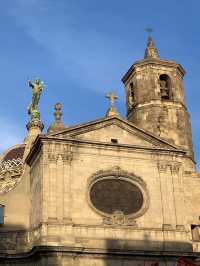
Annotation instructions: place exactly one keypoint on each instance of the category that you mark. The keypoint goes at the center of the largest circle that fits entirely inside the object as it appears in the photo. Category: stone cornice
(70, 136)
(36, 149)
(101, 253)
(85, 127)
(153, 62)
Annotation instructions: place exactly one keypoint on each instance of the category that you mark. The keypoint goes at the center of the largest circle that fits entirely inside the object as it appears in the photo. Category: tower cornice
(152, 61)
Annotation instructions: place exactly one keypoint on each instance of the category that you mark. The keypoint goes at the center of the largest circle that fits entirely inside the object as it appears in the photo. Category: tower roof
(152, 56)
(151, 51)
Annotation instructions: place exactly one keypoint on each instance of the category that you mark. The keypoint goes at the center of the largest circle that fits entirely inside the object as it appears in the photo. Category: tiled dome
(15, 152)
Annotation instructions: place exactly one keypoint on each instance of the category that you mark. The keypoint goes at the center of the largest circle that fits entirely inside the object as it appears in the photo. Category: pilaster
(167, 194)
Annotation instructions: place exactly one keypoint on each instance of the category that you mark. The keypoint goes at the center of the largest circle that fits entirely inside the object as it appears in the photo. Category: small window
(195, 232)
(131, 95)
(165, 87)
(1, 214)
(114, 140)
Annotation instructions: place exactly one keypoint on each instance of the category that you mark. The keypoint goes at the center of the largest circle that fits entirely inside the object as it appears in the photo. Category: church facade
(112, 191)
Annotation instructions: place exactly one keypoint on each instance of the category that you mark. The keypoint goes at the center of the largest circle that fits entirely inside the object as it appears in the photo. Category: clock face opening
(110, 195)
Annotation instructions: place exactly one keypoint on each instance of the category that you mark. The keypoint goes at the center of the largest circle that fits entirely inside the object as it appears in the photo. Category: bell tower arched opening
(165, 87)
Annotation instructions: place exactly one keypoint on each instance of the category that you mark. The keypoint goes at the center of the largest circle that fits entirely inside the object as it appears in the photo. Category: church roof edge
(55, 136)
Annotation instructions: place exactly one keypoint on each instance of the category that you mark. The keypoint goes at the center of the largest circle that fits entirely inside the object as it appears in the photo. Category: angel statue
(37, 88)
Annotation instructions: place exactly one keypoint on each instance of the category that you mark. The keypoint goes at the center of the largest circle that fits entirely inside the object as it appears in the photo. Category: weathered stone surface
(165, 117)
(51, 216)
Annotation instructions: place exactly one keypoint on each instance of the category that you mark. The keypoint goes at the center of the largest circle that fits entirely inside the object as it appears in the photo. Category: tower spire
(151, 51)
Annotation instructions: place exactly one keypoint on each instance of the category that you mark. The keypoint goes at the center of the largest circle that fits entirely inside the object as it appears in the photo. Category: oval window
(110, 195)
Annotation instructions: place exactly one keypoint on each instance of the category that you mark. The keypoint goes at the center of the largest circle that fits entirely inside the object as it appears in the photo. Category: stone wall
(167, 119)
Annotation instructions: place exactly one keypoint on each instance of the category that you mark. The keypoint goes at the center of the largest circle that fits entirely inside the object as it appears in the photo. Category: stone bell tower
(155, 98)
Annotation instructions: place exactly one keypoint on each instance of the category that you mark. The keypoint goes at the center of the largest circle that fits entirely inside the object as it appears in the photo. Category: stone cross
(149, 31)
(111, 111)
(111, 98)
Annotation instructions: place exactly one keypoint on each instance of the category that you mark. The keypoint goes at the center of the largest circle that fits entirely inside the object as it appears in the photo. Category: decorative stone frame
(117, 173)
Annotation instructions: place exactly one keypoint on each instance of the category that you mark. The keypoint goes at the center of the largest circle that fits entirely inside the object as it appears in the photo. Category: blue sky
(81, 49)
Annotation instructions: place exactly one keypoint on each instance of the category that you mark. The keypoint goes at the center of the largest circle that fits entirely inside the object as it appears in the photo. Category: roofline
(37, 144)
(120, 119)
(70, 128)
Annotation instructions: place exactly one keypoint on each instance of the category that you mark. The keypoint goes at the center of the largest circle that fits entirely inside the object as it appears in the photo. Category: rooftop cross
(151, 51)
(149, 31)
(111, 98)
(111, 111)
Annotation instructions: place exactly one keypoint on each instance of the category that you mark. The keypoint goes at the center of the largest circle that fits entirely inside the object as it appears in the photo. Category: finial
(57, 124)
(151, 51)
(111, 111)
(58, 113)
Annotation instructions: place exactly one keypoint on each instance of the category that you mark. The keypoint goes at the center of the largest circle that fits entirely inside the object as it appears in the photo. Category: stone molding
(163, 167)
(23, 241)
(36, 123)
(156, 141)
(117, 172)
(66, 157)
(54, 152)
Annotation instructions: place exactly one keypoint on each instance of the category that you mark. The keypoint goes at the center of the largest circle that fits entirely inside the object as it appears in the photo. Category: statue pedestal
(34, 128)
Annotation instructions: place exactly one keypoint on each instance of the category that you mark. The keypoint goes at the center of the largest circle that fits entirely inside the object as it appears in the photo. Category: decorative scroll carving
(118, 218)
(10, 174)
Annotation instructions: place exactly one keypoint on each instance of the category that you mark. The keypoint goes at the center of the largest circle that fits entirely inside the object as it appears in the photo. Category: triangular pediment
(114, 130)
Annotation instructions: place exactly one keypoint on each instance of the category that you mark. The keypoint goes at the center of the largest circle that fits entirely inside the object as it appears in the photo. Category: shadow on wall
(11, 227)
(12, 238)
(148, 244)
(110, 252)
(148, 253)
